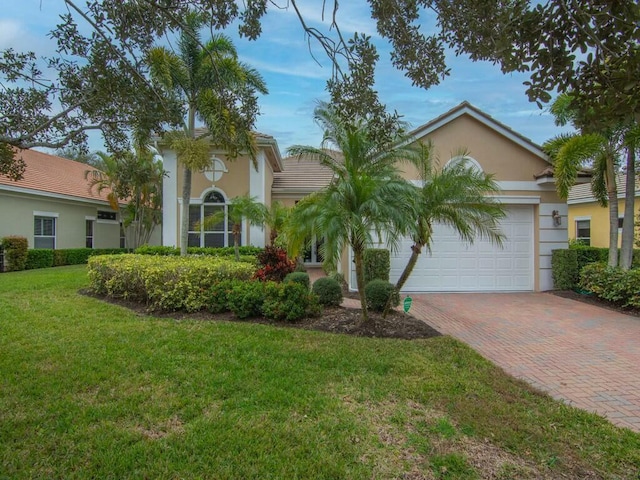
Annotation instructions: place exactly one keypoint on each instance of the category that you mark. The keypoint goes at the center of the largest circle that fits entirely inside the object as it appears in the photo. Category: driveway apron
(584, 355)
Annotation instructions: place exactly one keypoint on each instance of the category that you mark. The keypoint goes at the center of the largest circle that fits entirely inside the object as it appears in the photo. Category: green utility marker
(407, 304)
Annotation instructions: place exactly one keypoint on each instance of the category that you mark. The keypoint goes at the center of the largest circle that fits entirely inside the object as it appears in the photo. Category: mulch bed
(334, 320)
(593, 300)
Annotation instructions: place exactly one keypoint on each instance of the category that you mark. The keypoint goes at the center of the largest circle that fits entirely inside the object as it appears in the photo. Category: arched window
(470, 162)
(209, 222)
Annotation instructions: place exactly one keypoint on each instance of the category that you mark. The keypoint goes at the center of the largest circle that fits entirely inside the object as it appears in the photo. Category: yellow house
(521, 169)
(589, 221)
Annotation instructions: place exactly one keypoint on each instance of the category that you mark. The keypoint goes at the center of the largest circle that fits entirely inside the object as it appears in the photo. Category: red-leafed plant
(273, 264)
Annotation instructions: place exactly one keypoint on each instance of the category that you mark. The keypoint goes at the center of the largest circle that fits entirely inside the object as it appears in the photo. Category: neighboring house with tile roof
(520, 167)
(54, 206)
(589, 221)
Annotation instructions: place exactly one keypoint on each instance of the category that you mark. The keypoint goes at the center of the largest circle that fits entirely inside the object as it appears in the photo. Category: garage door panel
(454, 265)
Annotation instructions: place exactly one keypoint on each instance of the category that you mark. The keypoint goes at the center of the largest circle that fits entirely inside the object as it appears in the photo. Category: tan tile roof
(302, 175)
(582, 193)
(53, 175)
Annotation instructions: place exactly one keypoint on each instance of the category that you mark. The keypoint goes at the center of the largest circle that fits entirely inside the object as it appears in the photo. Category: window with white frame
(88, 233)
(209, 222)
(44, 231)
(583, 231)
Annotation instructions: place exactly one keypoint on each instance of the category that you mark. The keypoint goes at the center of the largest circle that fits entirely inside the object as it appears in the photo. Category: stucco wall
(599, 217)
(17, 213)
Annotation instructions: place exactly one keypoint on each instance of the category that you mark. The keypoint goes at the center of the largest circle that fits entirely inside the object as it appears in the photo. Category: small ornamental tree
(274, 264)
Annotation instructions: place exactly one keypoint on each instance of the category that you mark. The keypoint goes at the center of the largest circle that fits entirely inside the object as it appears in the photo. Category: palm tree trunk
(360, 281)
(626, 252)
(416, 250)
(236, 240)
(612, 194)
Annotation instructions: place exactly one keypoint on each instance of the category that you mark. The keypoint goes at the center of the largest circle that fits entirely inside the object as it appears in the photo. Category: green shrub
(211, 251)
(218, 296)
(164, 283)
(39, 258)
(564, 268)
(246, 298)
(328, 291)
(59, 258)
(299, 277)
(156, 250)
(15, 253)
(378, 293)
(612, 284)
(288, 301)
(79, 256)
(377, 264)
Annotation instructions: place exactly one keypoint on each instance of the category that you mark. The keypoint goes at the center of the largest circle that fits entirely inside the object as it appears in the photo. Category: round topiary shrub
(298, 277)
(378, 293)
(328, 290)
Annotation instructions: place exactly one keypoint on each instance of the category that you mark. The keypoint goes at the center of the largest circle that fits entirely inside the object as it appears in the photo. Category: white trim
(109, 222)
(170, 226)
(517, 185)
(90, 217)
(516, 199)
(586, 217)
(257, 185)
(58, 196)
(38, 213)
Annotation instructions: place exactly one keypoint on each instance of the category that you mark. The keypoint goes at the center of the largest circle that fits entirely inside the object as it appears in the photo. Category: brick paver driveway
(585, 355)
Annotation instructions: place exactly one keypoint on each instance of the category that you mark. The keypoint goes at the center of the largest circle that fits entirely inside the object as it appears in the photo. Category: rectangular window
(620, 222)
(44, 232)
(123, 237)
(583, 231)
(102, 215)
(89, 233)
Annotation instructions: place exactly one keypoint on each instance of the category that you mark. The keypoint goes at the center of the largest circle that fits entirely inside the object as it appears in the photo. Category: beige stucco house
(53, 206)
(520, 167)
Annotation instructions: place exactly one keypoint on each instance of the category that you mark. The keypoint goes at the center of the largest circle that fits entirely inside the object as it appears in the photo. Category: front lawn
(92, 390)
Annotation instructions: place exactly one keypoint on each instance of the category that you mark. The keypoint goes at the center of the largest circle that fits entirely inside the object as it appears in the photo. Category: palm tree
(367, 196)
(215, 88)
(135, 180)
(457, 196)
(570, 152)
(276, 219)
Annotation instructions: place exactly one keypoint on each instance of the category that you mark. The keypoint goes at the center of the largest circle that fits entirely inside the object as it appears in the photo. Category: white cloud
(10, 32)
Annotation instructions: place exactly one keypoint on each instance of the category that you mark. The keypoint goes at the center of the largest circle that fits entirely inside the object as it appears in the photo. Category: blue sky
(296, 81)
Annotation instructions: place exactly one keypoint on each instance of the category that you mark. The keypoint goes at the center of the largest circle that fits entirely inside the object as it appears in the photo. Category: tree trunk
(236, 230)
(626, 252)
(360, 281)
(416, 249)
(612, 194)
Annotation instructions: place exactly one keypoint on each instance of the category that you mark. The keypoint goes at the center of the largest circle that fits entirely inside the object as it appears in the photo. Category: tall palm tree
(215, 88)
(132, 179)
(367, 196)
(458, 195)
(570, 152)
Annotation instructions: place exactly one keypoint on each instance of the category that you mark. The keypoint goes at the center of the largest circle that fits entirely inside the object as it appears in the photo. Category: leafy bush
(378, 293)
(39, 258)
(564, 269)
(299, 277)
(15, 253)
(274, 264)
(328, 291)
(164, 283)
(218, 296)
(246, 298)
(612, 284)
(377, 264)
(286, 301)
(211, 251)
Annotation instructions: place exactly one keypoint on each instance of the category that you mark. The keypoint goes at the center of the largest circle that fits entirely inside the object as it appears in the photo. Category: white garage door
(454, 266)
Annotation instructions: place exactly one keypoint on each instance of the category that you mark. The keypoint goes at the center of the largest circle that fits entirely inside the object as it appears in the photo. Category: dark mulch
(342, 320)
(593, 300)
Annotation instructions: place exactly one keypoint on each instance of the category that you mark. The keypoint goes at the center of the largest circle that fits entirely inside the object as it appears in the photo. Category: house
(53, 206)
(520, 167)
(589, 221)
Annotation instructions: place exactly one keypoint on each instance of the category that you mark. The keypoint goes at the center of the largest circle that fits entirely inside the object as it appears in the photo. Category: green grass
(92, 390)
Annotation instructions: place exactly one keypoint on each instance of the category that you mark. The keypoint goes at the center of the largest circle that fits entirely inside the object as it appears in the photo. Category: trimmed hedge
(39, 258)
(15, 253)
(328, 291)
(377, 264)
(288, 301)
(378, 293)
(564, 269)
(612, 284)
(163, 283)
(299, 277)
(216, 252)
